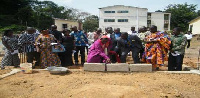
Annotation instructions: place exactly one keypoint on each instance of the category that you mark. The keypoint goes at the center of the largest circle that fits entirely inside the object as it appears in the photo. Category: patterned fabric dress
(10, 59)
(156, 52)
(47, 57)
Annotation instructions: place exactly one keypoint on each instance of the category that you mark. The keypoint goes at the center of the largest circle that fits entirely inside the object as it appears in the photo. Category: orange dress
(156, 52)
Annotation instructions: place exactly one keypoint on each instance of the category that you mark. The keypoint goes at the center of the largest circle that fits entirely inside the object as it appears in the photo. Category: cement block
(94, 67)
(141, 67)
(118, 67)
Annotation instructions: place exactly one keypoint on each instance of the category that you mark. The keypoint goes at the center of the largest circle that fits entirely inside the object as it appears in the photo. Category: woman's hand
(108, 61)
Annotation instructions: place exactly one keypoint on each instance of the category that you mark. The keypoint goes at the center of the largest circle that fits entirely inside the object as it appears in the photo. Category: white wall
(131, 16)
(157, 19)
(59, 22)
(195, 28)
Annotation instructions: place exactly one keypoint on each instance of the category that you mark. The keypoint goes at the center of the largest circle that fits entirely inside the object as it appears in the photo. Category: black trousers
(135, 54)
(82, 52)
(123, 55)
(86, 49)
(66, 58)
(141, 53)
(33, 55)
(188, 43)
(175, 62)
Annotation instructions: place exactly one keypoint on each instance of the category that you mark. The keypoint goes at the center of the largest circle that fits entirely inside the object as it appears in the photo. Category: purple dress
(96, 53)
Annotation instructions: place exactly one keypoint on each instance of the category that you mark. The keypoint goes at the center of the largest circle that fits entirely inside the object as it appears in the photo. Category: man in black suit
(123, 46)
(56, 33)
(136, 46)
(114, 36)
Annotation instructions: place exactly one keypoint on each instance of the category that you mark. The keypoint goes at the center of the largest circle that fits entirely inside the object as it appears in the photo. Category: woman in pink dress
(99, 50)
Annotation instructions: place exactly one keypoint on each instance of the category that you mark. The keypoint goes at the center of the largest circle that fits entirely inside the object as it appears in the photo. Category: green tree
(181, 14)
(91, 23)
(9, 10)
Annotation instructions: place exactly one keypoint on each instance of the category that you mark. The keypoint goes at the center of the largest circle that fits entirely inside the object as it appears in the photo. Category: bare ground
(80, 84)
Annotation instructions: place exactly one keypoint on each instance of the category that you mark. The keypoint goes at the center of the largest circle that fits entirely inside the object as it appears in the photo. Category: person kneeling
(98, 51)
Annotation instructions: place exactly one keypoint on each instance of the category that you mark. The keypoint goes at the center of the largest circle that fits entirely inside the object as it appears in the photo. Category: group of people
(111, 46)
(39, 47)
(149, 46)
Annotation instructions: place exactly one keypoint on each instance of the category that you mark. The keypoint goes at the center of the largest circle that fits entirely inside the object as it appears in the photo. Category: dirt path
(79, 84)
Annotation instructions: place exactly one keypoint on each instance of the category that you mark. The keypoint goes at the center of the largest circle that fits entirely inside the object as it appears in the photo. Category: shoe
(82, 63)
(157, 68)
(16, 66)
(76, 63)
(2, 68)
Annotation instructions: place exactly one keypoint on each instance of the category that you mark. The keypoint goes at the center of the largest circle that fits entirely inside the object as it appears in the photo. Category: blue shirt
(117, 35)
(126, 42)
(79, 38)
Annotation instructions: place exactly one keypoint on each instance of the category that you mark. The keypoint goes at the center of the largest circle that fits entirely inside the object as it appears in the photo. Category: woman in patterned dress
(47, 57)
(156, 48)
(10, 41)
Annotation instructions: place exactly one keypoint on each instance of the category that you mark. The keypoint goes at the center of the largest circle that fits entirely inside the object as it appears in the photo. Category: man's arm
(183, 44)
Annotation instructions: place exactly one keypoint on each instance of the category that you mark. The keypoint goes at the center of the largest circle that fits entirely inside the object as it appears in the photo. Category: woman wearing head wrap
(98, 51)
(47, 57)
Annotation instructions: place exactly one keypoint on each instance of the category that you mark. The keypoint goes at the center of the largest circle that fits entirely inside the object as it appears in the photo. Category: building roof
(194, 19)
(159, 12)
(122, 6)
(65, 19)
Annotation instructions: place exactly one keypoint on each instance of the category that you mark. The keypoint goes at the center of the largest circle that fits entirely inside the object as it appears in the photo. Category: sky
(92, 6)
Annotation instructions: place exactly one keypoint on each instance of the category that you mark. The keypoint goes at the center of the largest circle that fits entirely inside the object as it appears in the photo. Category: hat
(104, 36)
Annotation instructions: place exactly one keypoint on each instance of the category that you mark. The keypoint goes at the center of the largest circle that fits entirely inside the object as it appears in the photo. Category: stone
(118, 67)
(94, 67)
(141, 67)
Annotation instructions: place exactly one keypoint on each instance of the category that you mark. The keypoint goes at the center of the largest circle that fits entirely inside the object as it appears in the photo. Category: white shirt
(188, 36)
(131, 33)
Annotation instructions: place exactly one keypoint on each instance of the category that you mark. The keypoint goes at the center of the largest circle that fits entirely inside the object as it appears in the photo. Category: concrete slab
(118, 67)
(141, 67)
(14, 71)
(94, 67)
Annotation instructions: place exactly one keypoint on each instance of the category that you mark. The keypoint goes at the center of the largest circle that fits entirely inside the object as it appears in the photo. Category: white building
(159, 19)
(124, 17)
(64, 23)
(194, 25)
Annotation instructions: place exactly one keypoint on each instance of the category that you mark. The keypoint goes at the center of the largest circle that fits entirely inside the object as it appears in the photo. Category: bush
(16, 28)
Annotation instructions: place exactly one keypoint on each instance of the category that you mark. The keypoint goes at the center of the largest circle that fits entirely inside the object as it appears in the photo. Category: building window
(64, 26)
(166, 26)
(148, 23)
(122, 11)
(122, 20)
(166, 16)
(191, 26)
(109, 11)
(109, 20)
(149, 16)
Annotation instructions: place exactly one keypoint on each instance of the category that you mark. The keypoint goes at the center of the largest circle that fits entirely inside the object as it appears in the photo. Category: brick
(94, 67)
(141, 67)
(118, 67)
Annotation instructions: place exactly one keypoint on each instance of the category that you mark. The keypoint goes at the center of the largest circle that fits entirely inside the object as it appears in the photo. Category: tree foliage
(91, 23)
(39, 14)
(181, 14)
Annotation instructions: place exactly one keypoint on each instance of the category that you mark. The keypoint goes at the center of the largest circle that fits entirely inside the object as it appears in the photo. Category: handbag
(60, 48)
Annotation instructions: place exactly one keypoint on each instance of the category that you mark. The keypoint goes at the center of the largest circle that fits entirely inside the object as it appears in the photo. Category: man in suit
(136, 46)
(123, 46)
(114, 38)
